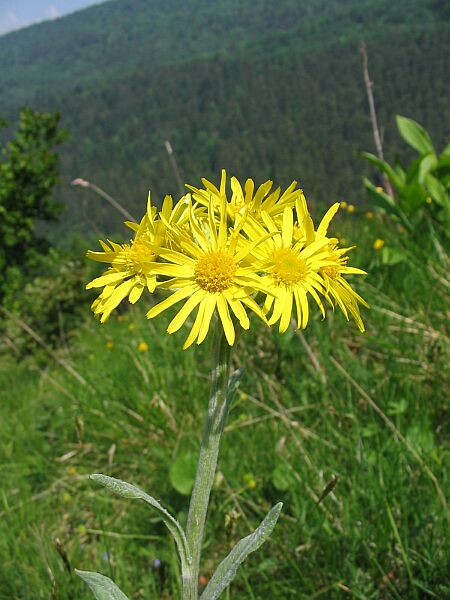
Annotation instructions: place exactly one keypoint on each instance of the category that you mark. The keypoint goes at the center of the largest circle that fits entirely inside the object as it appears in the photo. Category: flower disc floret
(209, 274)
(214, 271)
(288, 268)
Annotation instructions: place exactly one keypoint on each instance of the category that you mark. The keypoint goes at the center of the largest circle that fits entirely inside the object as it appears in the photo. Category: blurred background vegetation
(267, 90)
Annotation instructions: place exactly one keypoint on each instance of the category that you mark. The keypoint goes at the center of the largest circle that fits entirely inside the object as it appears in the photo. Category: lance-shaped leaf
(127, 490)
(227, 569)
(414, 134)
(397, 178)
(386, 202)
(103, 587)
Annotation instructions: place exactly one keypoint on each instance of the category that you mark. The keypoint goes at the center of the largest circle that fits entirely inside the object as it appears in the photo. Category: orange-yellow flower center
(136, 258)
(214, 271)
(331, 271)
(288, 268)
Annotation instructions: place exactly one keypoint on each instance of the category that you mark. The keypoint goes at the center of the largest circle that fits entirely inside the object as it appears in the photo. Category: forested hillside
(264, 89)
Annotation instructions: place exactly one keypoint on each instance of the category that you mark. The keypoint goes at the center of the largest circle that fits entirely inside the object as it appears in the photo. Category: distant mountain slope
(120, 36)
(273, 89)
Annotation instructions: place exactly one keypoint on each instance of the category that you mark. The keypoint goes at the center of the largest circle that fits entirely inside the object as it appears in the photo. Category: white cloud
(10, 21)
(53, 12)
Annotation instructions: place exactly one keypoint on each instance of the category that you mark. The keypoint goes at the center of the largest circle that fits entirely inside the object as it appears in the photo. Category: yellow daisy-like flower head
(246, 199)
(291, 267)
(209, 273)
(336, 286)
(132, 264)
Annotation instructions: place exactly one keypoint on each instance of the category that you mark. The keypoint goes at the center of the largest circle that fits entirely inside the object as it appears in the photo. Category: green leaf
(182, 473)
(413, 196)
(386, 203)
(396, 178)
(127, 490)
(282, 477)
(427, 164)
(446, 151)
(437, 190)
(414, 134)
(392, 256)
(103, 587)
(227, 569)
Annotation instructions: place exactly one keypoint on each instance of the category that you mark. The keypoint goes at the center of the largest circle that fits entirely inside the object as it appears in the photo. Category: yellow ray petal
(185, 311)
(286, 312)
(196, 326)
(225, 318)
(170, 301)
(136, 293)
(209, 306)
(323, 227)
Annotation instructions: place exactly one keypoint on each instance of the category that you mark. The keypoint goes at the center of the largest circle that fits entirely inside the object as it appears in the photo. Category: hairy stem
(215, 421)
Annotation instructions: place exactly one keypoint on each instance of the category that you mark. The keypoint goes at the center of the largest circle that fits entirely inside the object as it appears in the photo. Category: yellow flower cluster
(223, 254)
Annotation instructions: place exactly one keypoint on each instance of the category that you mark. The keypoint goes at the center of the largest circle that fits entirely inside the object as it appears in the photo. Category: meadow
(363, 417)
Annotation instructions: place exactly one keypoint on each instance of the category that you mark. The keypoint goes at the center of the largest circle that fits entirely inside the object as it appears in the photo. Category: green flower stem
(215, 421)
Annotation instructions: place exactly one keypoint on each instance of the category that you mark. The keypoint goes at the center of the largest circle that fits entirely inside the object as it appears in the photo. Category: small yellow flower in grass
(429, 200)
(109, 344)
(351, 208)
(343, 204)
(142, 347)
(379, 189)
(209, 274)
(369, 214)
(131, 326)
(378, 244)
(71, 471)
(250, 481)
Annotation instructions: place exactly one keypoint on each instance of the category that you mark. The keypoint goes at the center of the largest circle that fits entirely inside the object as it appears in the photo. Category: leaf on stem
(233, 384)
(227, 569)
(127, 490)
(414, 134)
(103, 587)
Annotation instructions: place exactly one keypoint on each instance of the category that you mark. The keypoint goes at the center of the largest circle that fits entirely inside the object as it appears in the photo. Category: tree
(28, 174)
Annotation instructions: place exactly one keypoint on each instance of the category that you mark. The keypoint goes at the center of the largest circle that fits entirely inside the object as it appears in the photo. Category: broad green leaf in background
(446, 151)
(392, 256)
(227, 569)
(386, 202)
(427, 164)
(437, 190)
(282, 477)
(413, 196)
(397, 178)
(127, 490)
(103, 587)
(414, 134)
(182, 473)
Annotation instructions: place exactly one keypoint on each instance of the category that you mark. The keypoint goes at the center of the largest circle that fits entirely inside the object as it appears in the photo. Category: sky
(15, 14)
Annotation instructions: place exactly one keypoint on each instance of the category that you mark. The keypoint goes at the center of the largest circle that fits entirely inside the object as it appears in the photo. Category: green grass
(375, 415)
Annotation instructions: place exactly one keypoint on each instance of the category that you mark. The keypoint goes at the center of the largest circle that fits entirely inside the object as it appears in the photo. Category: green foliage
(102, 587)
(422, 189)
(28, 174)
(182, 473)
(51, 302)
(281, 95)
(228, 568)
(293, 433)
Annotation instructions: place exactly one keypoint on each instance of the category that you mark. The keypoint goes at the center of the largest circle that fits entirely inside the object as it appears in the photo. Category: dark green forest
(263, 89)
